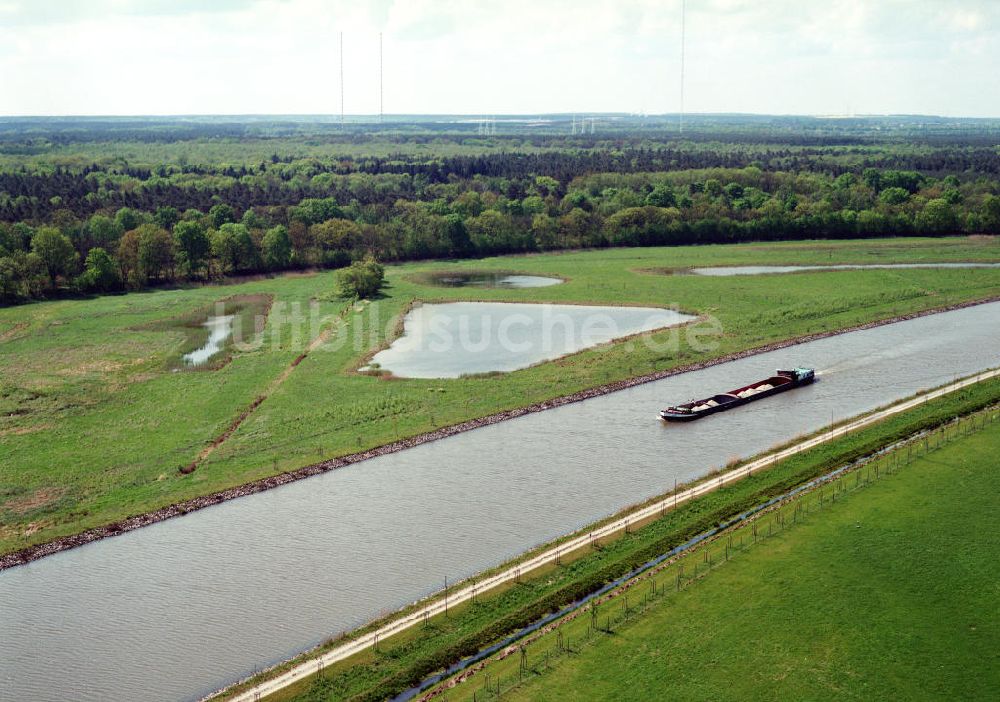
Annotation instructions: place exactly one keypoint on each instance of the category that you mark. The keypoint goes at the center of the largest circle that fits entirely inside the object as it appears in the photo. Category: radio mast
(341, 79)
(380, 90)
(683, 37)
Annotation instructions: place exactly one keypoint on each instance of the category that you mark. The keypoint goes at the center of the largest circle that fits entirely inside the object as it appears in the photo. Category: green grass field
(888, 593)
(95, 420)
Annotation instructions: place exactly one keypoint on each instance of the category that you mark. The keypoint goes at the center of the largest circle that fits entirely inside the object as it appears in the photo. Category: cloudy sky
(499, 56)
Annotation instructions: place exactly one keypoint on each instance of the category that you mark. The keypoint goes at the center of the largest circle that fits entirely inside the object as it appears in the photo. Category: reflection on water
(456, 338)
(219, 329)
(493, 280)
(762, 270)
(172, 611)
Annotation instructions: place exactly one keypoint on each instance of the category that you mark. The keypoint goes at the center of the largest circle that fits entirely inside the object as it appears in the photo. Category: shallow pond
(175, 610)
(457, 338)
(493, 280)
(219, 329)
(763, 270)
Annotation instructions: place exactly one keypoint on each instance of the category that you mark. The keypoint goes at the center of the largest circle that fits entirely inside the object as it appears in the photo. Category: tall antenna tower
(683, 37)
(341, 79)
(380, 90)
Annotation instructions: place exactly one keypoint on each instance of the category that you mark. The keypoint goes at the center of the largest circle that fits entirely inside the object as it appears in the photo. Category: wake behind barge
(780, 382)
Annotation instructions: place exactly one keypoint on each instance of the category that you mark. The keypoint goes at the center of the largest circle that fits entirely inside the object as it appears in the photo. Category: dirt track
(320, 339)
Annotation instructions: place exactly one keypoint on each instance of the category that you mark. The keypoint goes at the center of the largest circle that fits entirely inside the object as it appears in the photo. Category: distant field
(95, 423)
(890, 593)
(250, 151)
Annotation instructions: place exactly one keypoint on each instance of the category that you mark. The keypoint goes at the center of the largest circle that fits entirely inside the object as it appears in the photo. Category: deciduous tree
(127, 219)
(56, 253)
(937, 217)
(156, 251)
(234, 247)
(100, 272)
(128, 259)
(991, 214)
(193, 246)
(276, 248)
(221, 214)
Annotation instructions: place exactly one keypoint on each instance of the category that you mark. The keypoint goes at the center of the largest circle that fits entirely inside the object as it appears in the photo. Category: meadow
(97, 420)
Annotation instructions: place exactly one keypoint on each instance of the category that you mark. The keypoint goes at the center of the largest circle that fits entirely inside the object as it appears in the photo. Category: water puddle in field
(764, 270)
(458, 338)
(219, 328)
(492, 280)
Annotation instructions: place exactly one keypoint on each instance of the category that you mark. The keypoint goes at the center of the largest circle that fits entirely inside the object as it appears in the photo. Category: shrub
(361, 278)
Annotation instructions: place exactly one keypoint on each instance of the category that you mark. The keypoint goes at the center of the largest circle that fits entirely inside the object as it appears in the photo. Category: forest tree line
(401, 216)
(36, 192)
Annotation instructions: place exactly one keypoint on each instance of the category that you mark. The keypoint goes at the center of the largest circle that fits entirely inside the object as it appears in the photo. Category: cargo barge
(780, 382)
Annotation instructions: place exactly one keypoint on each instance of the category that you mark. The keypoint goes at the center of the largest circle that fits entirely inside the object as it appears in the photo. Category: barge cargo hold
(781, 381)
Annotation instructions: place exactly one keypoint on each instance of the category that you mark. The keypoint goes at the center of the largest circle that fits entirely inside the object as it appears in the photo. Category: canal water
(175, 610)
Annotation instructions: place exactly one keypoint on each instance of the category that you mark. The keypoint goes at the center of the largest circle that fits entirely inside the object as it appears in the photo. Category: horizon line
(479, 115)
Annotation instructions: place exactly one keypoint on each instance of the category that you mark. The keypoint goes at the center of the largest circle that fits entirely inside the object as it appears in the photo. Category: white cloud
(446, 56)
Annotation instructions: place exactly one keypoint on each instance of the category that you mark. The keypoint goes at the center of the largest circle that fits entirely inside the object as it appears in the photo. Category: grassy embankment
(407, 658)
(881, 585)
(94, 425)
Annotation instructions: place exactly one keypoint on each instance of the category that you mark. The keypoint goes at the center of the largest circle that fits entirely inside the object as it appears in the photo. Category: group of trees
(132, 249)
(128, 248)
